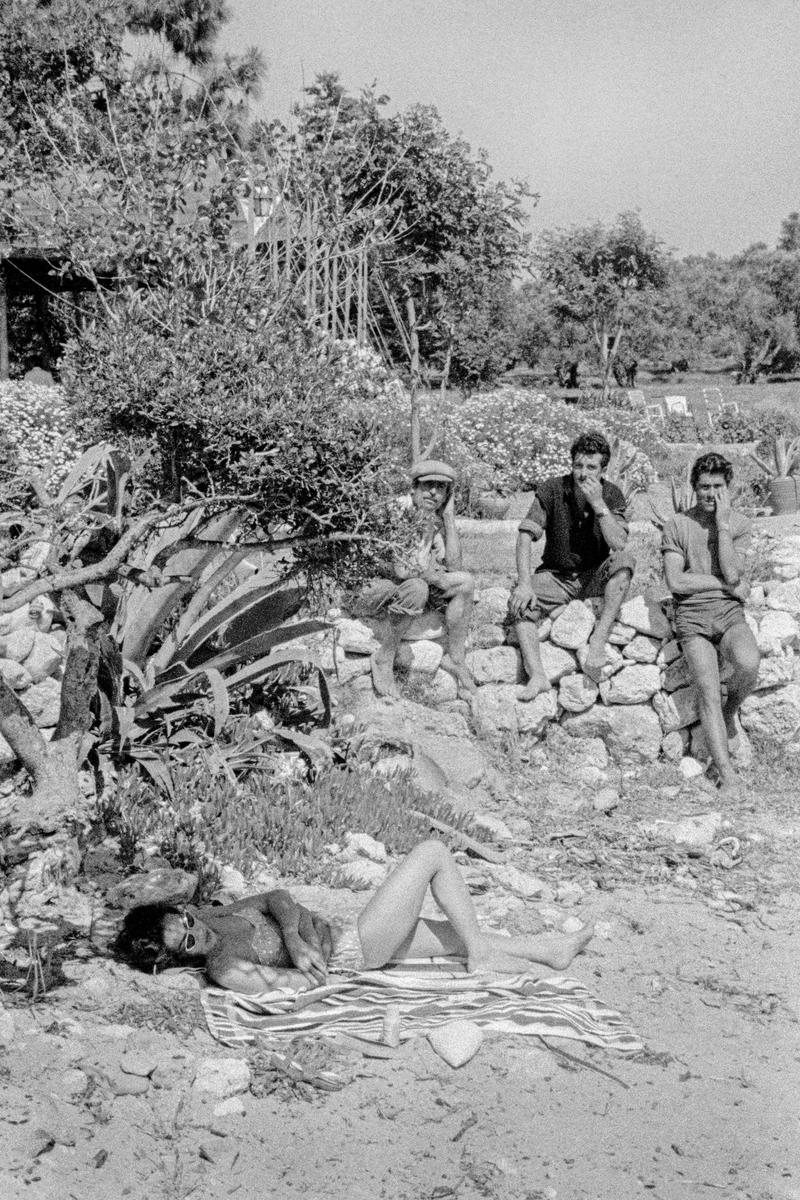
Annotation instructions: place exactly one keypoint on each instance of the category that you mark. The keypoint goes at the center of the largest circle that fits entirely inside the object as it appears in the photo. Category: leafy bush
(215, 821)
(241, 396)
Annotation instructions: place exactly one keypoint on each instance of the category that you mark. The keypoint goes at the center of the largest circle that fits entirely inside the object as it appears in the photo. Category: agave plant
(179, 684)
(621, 464)
(784, 454)
(681, 498)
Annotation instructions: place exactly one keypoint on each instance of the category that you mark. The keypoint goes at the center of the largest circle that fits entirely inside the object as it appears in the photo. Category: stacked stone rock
(31, 660)
(644, 707)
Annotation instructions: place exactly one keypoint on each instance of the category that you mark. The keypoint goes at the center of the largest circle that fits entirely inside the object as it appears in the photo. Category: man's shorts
(709, 619)
(555, 589)
(381, 598)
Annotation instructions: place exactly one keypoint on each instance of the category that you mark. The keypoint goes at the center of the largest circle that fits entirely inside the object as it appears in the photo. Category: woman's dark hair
(711, 464)
(141, 940)
(591, 443)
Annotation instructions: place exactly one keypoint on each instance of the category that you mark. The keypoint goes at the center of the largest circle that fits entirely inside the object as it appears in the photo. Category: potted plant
(488, 496)
(782, 456)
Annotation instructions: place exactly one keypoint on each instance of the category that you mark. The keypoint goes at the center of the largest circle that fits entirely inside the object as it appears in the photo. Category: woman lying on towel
(269, 941)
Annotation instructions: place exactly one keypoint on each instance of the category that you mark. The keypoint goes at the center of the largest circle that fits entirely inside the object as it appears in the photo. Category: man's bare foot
(536, 686)
(596, 658)
(459, 671)
(383, 679)
(729, 788)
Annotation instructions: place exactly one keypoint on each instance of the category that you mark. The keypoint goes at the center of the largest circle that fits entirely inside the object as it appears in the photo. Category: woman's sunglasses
(189, 940)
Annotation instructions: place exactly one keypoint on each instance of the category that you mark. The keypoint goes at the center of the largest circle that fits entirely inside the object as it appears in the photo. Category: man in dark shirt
(582, 519)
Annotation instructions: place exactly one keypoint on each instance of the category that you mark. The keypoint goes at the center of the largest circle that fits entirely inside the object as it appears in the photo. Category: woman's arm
(239, 975)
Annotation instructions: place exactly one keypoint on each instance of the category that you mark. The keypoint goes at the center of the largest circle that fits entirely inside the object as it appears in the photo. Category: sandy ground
(704, 964)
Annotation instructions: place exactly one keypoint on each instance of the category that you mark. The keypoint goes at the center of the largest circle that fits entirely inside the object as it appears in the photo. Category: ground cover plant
(210, 821)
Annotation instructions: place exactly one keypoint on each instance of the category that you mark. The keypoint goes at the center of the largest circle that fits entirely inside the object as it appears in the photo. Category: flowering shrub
(519, 438)
(40, 426)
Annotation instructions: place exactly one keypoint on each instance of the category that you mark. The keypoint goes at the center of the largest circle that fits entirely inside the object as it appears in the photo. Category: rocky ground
(113, 1087)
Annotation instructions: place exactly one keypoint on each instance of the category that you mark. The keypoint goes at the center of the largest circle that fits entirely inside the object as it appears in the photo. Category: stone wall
(31, 660)
(645, 705)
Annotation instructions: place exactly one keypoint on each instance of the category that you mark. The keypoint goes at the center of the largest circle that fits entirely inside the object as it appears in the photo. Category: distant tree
(594, 273)
(790, 233)
(455, 237)
(747, 307)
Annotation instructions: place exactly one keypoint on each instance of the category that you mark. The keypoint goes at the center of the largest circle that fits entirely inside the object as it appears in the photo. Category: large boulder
(772, 716)
(422, 657)
(614, 661)
(556, 661)
(533, 716)
(43, 701)
(645, 616)
(44, 658)
(576, 693)
(491, 605)
(641, 649)
(443, 738)
(777, 670)
(785, 597)
(785, 558)
(676, 675)
(573, 626)
(503, 664)
(776, 631)
(677, 710)
(355, 637)
(495, 707)
(631, 732)
(427, 627)
(635, 684)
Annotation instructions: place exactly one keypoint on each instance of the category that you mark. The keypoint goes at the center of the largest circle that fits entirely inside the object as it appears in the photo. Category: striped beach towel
(428, 995)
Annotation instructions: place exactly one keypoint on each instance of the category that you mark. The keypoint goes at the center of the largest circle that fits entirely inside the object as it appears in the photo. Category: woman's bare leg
(390, 925)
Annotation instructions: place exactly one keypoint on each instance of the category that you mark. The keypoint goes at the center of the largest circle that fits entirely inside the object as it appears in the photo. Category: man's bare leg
(390, 927)
(701, 659)
(382, 661)
(528, 638)
(738, 648)
(613, 595)
(461, 589)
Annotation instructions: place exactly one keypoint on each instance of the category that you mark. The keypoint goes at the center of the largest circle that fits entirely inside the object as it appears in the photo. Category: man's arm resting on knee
(523, 593)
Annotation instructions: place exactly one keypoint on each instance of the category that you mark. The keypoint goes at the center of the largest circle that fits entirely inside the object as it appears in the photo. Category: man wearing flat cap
(426, 574)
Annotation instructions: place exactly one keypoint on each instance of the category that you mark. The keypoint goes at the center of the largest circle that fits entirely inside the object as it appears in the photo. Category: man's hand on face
(593, 491)
(449, 506)
(722, 509)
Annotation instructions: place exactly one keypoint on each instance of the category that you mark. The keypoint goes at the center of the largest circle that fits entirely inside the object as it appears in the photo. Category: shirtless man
(703, 551)
(430, 575)
(581, 516)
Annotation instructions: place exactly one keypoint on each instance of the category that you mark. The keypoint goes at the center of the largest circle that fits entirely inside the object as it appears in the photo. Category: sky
(687, 110)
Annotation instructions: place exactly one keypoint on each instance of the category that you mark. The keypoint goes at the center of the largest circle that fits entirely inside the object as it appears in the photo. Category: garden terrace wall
(644, 707)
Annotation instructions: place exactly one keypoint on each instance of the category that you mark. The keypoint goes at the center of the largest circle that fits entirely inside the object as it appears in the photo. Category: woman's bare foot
(382, 668)
(537, 685)
(555, 950)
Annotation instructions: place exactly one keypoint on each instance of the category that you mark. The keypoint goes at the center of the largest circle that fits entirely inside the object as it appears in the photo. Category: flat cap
(432, 468)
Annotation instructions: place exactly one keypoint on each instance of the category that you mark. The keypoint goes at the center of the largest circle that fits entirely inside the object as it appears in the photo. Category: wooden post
(3, 322)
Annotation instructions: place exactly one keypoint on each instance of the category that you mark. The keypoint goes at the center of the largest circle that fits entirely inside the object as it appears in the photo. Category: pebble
(456, 1042)
(126, 1085)
(222, 1077)
(569, 893)
(606, 800)
(232, 1107)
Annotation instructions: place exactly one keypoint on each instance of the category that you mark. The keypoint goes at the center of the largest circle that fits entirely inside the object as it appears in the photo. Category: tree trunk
(413, 337)
(56, 799)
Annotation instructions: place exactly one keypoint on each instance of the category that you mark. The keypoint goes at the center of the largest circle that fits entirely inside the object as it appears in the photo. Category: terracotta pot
(783, 494)
(494, 508)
